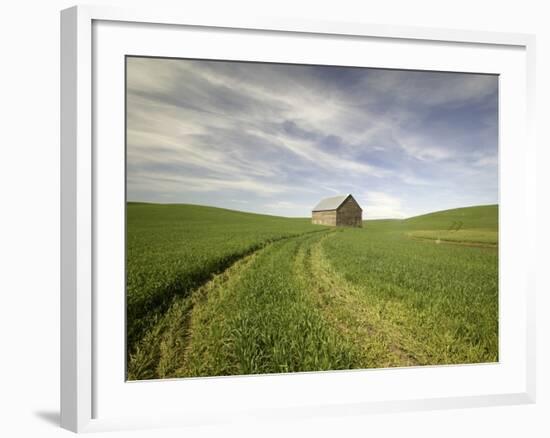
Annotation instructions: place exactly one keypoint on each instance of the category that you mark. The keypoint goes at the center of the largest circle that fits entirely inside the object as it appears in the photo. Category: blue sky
(276, 138)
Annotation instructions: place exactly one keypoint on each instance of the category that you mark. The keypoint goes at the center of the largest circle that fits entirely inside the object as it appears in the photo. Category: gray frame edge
(75, 265)
(530, 44)
(68, 220)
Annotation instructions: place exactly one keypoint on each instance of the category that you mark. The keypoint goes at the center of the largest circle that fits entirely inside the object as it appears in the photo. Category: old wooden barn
(338, 211)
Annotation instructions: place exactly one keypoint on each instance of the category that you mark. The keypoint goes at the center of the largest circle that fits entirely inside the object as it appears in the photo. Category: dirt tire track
(346, 307)
(373, 340)
(163, 350)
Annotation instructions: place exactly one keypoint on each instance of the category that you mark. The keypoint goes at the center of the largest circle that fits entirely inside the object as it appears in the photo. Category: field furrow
(162, 352)
(348, 308)
(262, 321)
(438, 303)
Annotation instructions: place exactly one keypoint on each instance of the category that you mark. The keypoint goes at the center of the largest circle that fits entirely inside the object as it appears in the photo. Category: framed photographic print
(285, 219)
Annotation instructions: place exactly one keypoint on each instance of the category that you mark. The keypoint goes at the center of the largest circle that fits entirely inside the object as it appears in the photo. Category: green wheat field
(215, 292)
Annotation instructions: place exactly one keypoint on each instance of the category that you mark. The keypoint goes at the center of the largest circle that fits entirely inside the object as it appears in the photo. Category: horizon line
(306, 217)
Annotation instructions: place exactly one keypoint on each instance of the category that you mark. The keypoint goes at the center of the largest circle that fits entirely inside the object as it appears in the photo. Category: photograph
(285, 218)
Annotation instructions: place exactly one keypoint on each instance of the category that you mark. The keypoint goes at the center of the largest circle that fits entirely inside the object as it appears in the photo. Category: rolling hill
(221, 292)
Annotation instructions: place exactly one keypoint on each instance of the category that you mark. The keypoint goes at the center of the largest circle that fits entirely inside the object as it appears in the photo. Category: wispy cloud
(275, 138)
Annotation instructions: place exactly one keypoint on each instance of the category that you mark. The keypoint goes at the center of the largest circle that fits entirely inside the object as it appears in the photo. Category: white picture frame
(85, 377)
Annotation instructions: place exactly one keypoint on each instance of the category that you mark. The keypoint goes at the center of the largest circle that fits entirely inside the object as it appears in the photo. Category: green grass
(466, 236)
(263, 322)
(444, 296)
(479, 217)
(471, 225)
(219, 292)
(173, 249)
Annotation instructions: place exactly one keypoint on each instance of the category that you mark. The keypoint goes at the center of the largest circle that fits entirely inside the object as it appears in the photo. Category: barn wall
(324, 217)
(349, 214)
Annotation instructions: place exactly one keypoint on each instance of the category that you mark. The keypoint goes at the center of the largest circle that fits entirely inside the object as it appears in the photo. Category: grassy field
(173, 249)
(219, 292)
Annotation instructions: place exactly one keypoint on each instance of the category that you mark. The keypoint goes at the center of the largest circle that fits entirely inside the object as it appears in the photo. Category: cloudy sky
(276, 138)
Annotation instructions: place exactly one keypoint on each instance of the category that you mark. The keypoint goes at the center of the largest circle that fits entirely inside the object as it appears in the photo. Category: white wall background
(29, 215)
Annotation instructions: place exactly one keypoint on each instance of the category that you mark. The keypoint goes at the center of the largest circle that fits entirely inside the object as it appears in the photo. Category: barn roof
(331, 203)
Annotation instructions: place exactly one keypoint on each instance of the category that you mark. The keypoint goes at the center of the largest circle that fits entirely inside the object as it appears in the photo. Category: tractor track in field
(171, 335)
(346, 308)
(168, 348)
(172, 292)
(453, 242)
